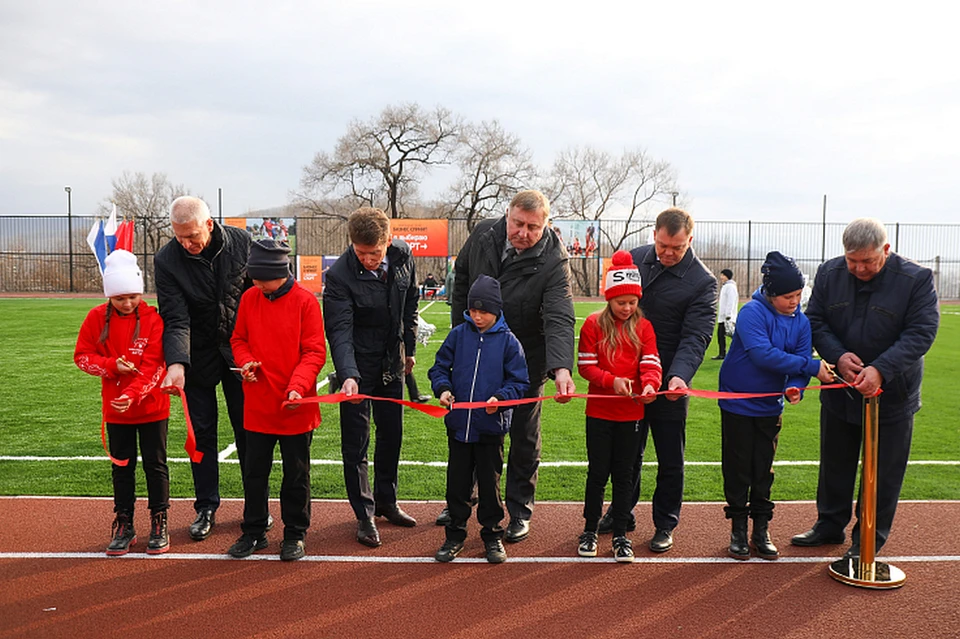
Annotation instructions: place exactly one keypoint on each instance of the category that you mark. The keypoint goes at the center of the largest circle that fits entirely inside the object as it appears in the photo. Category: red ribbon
(190, 445)
(440, 411)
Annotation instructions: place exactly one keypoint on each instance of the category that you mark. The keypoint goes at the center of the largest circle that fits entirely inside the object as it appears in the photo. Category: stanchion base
(879, 575)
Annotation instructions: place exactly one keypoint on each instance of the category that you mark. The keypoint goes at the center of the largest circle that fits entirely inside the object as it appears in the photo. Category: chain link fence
(49, 254)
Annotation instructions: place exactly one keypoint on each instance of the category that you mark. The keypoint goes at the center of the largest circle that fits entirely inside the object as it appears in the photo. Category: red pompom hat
(622, 278)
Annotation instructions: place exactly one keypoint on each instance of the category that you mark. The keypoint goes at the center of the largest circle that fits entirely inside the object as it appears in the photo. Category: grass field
(49, 408)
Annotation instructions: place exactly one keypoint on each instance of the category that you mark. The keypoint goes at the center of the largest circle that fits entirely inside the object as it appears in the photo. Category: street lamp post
(674, 194)
(70, 231)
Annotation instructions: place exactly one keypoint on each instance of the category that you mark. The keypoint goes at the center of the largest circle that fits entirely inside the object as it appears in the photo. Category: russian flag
(110, 230)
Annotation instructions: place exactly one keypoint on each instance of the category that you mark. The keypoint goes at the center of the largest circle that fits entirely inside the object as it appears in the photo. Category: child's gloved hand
(492, 405)
(446, 399)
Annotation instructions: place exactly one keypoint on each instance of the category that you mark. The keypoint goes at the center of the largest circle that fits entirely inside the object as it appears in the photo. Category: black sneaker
(246, 544)
(622, 550)
(159, 541)
(448, 551)
(496, 553)
(443, 519)
(292, 549)
(588, 544)
(123, 535)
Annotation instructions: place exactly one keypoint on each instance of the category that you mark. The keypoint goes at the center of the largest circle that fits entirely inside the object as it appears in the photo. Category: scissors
(130, 364)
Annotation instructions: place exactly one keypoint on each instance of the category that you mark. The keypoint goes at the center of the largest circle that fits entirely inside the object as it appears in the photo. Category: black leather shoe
(448, 551)
(443, 519)
(606, 524)
(367, 533)
(202, 526)
(814, 537)
(718, 357)
(496, 554)
(395, 516)
(292, 549)
(517, 530)
(762, 542)
(662, 540)
(738, 539)
(852, 551)
(423, 399)
(246, 544)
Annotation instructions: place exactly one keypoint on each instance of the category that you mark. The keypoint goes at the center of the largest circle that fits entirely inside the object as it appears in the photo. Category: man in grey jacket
(531, 265)
(679, 299)
(875, 314)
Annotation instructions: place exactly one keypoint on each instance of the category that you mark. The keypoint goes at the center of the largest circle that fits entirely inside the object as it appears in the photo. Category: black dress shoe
(395, 516)
(814, 537)
(246, 544)
(423, 399)
(517, 530)
(292, 549)
(202, 526)
(662, 540)
(367, 533)
(606, 524)
(852, 551)
(443, 519)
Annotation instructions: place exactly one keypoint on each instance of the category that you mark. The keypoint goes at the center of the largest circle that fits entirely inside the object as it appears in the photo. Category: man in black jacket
(679, 299)
(200, 275)
(531, 265)
(875, 314)
(370, 298)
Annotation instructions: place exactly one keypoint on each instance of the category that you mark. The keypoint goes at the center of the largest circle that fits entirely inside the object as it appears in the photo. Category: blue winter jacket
(770, 353)
(476, 366)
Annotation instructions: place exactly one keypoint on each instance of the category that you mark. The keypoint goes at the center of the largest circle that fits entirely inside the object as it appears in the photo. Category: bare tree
(379, 162)
(147, 201)
(493, 168)
(589, 184)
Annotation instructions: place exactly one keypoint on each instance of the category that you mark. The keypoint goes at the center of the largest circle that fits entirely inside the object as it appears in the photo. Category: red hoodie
(145, 353)
(286, 336)
(598, 369)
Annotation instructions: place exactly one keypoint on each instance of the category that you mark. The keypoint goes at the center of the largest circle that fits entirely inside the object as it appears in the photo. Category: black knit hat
(780, 275)
(268, 260)
(484, 295)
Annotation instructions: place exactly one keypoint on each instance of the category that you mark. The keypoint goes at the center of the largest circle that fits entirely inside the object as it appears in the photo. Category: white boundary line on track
(441, 464)
(469, 560)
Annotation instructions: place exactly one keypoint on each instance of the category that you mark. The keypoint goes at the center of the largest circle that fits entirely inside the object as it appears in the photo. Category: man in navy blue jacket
(680, 300)
(875, 314)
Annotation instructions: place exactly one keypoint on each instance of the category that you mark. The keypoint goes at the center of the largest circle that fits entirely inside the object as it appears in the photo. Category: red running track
(55, 580)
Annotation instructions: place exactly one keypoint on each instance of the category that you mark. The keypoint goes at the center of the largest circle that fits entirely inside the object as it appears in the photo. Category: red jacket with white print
(598, 368)
(145, 353)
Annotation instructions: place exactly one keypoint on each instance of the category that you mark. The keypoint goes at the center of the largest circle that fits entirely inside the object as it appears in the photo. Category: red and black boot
(159, 541)
(123, 535)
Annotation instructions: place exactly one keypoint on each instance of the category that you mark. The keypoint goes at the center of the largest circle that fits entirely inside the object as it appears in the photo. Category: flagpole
(70, 231)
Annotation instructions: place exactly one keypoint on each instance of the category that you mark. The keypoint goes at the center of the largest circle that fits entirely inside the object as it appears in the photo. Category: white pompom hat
(121, 275)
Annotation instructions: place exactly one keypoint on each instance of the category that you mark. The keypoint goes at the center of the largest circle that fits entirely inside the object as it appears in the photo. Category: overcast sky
(761, 109)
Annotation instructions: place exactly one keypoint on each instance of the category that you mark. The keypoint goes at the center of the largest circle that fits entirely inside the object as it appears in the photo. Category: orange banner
(238, 222)
(310, 272)
(427, 238)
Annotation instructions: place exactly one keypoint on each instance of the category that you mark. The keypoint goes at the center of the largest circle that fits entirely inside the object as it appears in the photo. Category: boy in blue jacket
(480, 360)
(771, 353)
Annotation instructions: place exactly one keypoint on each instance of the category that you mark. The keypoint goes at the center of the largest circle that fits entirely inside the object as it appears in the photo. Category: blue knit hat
(484, 295)
(780, 275)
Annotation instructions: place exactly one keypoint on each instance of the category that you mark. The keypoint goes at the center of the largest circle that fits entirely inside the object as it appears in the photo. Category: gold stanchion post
(864, 571)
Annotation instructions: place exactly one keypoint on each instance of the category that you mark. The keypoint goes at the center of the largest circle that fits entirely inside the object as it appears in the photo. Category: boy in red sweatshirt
(121, 342)
(278, 344)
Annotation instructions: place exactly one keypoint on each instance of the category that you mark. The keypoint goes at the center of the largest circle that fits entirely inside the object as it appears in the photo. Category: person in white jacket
(726, 310)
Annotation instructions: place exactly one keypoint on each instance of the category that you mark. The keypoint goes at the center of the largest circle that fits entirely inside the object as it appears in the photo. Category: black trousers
(355, 439)
(153, 452)
(523, 460)
(294, 489)
(722, 339)
(748, 446)
(611, 452)
(840, 443)
(482, 460)
(204, 413)
(669, 440)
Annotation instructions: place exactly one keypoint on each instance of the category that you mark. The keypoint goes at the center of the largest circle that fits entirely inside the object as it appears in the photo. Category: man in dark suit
(875, 314)
(679, 299)
(370, 301)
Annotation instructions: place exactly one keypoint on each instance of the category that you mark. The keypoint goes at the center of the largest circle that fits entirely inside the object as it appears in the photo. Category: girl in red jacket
(278, 343)
(617, 350)
(121, 342)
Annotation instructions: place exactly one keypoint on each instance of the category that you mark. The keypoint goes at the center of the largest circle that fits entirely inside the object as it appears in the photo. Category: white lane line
(469, 560)
(442, 464)
(226, 452)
